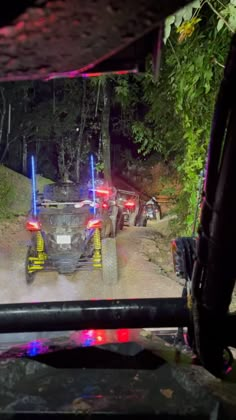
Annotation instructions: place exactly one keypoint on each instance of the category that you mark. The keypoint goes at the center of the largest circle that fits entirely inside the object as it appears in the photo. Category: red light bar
(94, 224)
(98, 74)
(129, 204)
(102, 191)
(33, 225)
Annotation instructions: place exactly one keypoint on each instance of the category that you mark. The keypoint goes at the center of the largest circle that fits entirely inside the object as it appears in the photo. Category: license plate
(63, 239)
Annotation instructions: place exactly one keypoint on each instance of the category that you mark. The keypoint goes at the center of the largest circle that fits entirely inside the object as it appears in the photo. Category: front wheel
(29, 276)
(109, 261)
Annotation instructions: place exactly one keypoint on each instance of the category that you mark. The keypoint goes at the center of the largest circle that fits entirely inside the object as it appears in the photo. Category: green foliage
(227, 16)
(6, 197)
(181, 17)
(128, 97)
(176, 111)
(147, 109)
(99, 167)
(166, 186)
(195, 80)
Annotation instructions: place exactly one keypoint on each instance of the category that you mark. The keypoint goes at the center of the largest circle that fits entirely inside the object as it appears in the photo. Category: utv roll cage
(211, 327)
(214, 273)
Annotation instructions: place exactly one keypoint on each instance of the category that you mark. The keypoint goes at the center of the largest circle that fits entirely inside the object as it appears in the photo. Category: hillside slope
(15, 192)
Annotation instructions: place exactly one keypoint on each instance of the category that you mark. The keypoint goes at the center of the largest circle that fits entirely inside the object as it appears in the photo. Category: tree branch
(219, 16)
(219, 64)
(7, 147)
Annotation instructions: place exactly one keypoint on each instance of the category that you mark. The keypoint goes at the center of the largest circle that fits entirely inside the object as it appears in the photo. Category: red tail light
(105, 206)
(130, 204)
(33, 225)
(94, 224)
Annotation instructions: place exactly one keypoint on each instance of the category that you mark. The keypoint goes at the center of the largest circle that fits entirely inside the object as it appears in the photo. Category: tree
(80, 137)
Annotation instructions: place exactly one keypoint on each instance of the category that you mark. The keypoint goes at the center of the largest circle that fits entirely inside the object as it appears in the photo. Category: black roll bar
(101, 314)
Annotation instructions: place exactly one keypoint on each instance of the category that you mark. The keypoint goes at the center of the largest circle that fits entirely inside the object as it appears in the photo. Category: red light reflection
(90, 338)
(123, 335)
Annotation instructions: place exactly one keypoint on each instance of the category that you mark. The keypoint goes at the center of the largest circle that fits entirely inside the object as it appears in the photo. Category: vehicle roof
(42, 39)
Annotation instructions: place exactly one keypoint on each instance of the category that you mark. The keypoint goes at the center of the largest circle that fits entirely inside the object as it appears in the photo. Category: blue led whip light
(93, 183)
(33, 186)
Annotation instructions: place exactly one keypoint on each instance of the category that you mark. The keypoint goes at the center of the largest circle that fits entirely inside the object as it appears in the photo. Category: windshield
(80, 160)
(65, 192)
(94, 128)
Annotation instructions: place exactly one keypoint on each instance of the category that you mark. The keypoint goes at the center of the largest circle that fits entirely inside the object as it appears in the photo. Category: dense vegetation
(179, 106)
(62, 121)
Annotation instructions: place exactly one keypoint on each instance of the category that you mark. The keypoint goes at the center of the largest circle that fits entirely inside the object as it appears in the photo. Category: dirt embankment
(15, 192)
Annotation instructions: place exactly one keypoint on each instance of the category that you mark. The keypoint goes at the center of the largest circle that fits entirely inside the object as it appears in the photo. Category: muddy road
(145, 270)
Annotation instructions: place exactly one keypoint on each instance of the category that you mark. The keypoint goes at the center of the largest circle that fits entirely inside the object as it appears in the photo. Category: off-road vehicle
(70, 232)
(108, 197)
(132, 208)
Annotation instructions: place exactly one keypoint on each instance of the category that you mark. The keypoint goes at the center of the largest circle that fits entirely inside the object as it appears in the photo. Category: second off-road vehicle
(132, 208)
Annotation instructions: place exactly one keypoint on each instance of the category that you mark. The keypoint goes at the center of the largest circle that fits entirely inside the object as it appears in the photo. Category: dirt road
(139, 275)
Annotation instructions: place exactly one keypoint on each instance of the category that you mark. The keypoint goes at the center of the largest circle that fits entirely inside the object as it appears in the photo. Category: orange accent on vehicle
(94, 224)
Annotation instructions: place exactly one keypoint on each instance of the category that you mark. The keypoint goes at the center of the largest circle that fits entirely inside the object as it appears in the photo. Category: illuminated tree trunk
(24, 156)
(106, 143)
(80, 138)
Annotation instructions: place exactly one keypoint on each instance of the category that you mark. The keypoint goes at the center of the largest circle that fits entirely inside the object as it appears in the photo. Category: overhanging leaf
(196, 4)
(168, 23)
(220, 25)
(178, 18)
(187, 12)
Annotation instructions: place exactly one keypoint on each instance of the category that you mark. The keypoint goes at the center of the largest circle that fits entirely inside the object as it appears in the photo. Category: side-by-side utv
(70, 232)
(132, 208)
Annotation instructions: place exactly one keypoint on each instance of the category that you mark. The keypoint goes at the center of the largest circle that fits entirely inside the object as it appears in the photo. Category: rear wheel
(119, 222)
(29, 276)
(144, 222)
(122, 222)
(132, 219)
(109, 261)
(183, 252)
(141, 222)
(108, 229)
(184, 255)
